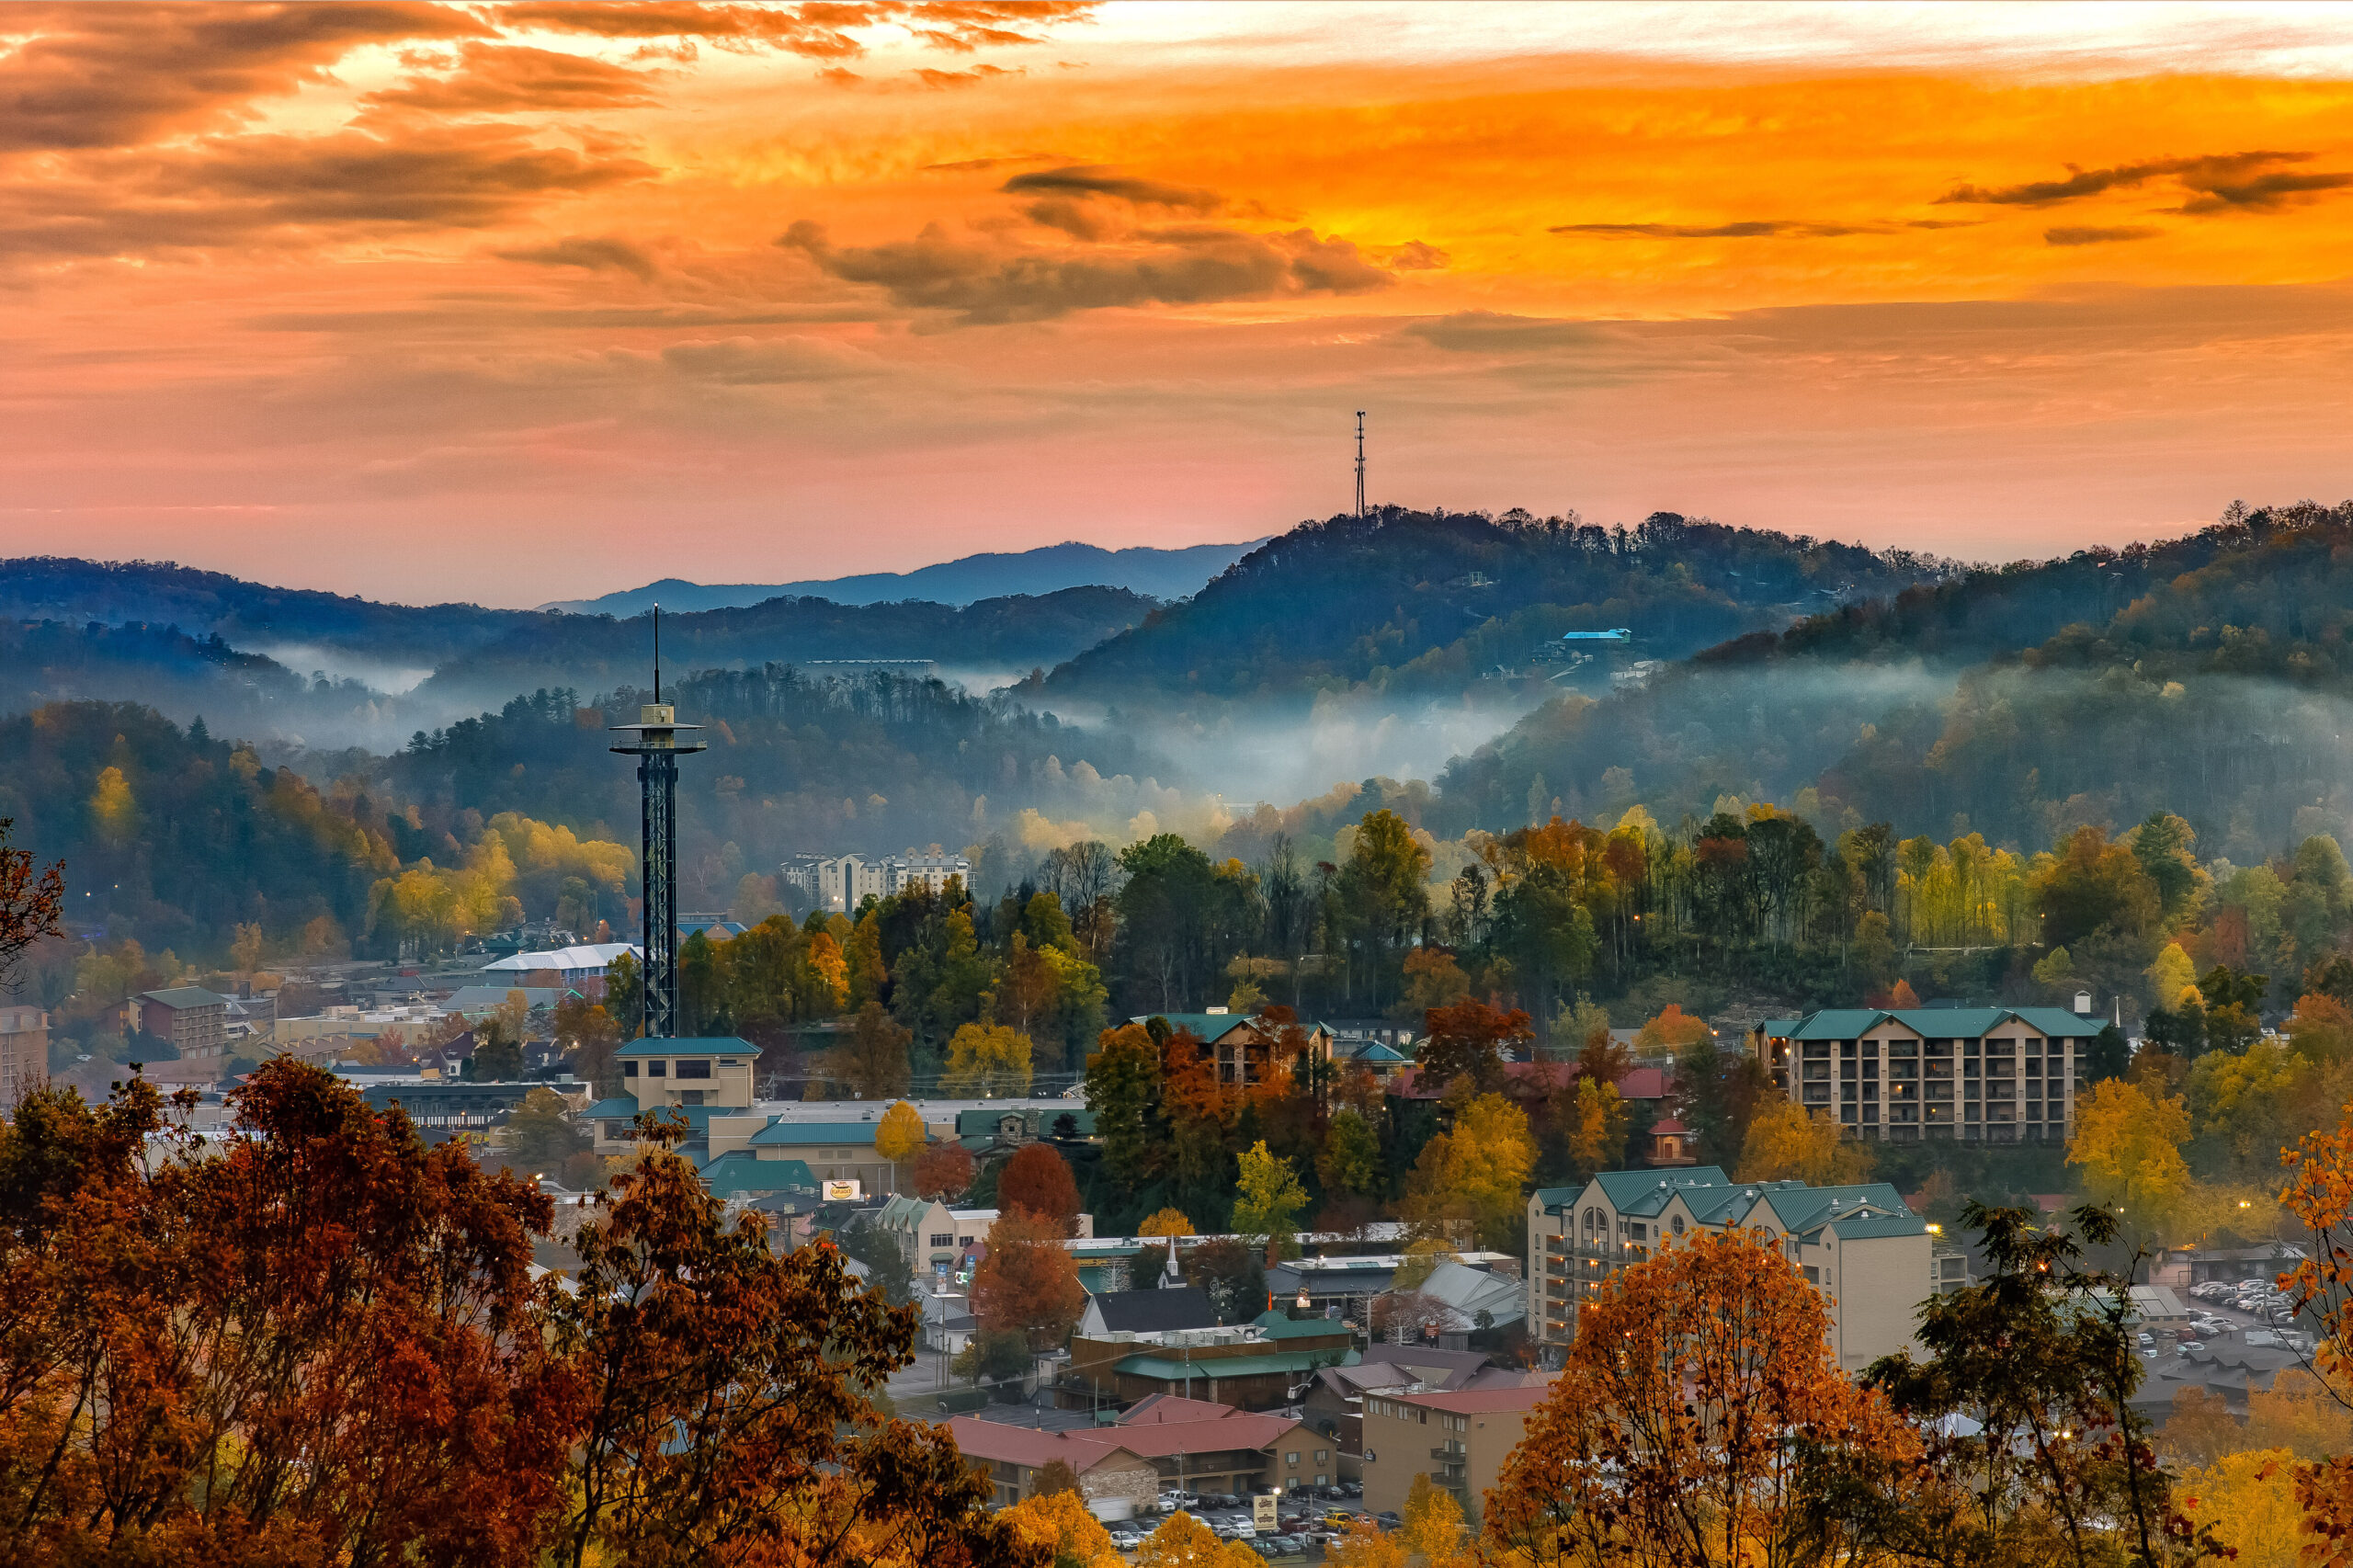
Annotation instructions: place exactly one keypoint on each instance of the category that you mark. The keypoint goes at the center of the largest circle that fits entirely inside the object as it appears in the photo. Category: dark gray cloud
(118, 76)
(1775, 229)
(262, 190)
(984, 285)
(2221, 182)
(607, 253)
(1086, 180)
(2066, 235)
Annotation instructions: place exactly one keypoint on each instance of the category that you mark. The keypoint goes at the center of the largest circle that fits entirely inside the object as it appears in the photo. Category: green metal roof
(1802, 1208)
(1169, 1368)
(1864, 1227)
(1933, 1023)
(1277, 1325)
(799, 1134)
(1646, 1192)
(1209, 1027)
(739, 1171)
(716, 1046)
(1553, 1199)
(606, 1110)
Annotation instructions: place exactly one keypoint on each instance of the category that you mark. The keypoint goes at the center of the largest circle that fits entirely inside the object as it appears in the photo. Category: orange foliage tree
(1038, 1180)
(1028, 1282)
(944, 1169)
(1690, 1423)
(319, 1343)
(2320, 1195)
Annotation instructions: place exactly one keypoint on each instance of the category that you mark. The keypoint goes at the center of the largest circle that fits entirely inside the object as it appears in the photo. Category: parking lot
(2250, 1313)
(1308, 1518)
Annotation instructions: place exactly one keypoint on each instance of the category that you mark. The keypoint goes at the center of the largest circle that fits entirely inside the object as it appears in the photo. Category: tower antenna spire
(657, 653)
(1359, 463)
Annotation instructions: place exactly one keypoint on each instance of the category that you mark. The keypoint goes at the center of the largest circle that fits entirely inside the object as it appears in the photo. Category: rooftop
(1476, 1402)
(718, 1045)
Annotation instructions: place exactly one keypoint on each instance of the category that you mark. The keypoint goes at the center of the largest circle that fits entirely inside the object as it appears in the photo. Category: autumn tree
(1037, 1180)
(1432, 1528)
(1468, 1040)
(1786, 1142)
(1233, 1273)
(1596, 1126)
(986, 1062)
(1053, 1521)
(2319, 1196)
(1468, 1186)
(1267, 1201)
(589, 1035)
(901, 1133)
(1364, 1544)
(874, 1064)
(2128, 1143)
(539, 1133)
(1349, 1162)
(1027, 1283)
(1170, 1222)
(1693, 1422)
(723, 1412)
(316, 1340)
(1183, 1541)
(498, 1052)
(943, 1170)
(1123, 1090)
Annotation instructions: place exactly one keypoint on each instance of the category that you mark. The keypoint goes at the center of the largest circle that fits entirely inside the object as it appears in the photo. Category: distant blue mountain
(1162, 573)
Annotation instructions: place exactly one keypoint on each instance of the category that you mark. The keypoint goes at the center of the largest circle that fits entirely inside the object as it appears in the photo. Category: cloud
(607, 252)
(2089, 236)
(119, 75)
(2264, 193)
(1083, 180)
(820, 31)
(504, 79)
(1413, 256)
(1488, 331)
(976, 165)
(1752, 230)
(1170, 266)
(2225, 182)
(757, 362)
(973, 77)
(267, 189)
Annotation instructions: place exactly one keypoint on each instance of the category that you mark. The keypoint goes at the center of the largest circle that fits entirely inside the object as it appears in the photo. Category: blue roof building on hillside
(1985, 1074)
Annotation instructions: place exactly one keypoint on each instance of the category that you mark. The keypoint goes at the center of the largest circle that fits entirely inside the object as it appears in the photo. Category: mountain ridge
(1160, 573)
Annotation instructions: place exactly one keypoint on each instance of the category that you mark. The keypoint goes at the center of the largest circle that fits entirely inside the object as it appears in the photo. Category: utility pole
(1360, 464)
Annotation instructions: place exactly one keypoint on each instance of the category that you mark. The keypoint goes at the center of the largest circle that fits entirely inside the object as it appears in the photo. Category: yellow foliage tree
(1168, 1222)
(1058, 1524)
(2299, 1414)
(831, 969)
(1597, 1128)
(1470, 1182)
(112, 811)
(1420, 1261)
(900, 1132)
(1786, 1144)
(1433, 1529)
(1672, 1031)
(1365, 1545)
(1267, 1200)
(1183, 1541)
(987, 1060)
(2250, 1499)
(2128, 1145)
(2170, 975)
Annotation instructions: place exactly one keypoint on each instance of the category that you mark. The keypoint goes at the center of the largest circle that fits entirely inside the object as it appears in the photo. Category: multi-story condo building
(845, 881)
(1981, 1074)
(24, 1054)
(1869, 1254)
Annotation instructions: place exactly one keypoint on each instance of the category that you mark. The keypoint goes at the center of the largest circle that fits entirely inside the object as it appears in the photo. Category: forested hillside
(2207, 675)
(48, 661)
(596, 653)
(1416, 603)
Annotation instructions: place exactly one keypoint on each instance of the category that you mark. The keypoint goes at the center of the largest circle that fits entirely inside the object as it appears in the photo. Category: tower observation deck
(655, 744)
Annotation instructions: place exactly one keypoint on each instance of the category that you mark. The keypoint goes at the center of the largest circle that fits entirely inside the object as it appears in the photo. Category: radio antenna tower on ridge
(1360, 462)
(654, 741)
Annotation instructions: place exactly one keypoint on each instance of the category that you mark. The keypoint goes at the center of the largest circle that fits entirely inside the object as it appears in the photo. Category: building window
(629, 1069)
(1322, 1455)
(655, 1069)
(694, 1069)
(1291, 1458)
(946, 1240)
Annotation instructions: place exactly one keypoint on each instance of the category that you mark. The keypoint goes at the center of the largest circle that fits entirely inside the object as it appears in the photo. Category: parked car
(1387, 1520)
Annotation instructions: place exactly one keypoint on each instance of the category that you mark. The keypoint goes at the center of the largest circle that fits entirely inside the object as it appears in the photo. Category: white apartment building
(845, 881)
(1981, 1074)
(1869, 1256)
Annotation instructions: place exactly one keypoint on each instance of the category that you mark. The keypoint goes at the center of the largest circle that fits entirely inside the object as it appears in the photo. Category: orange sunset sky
(518, 302)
